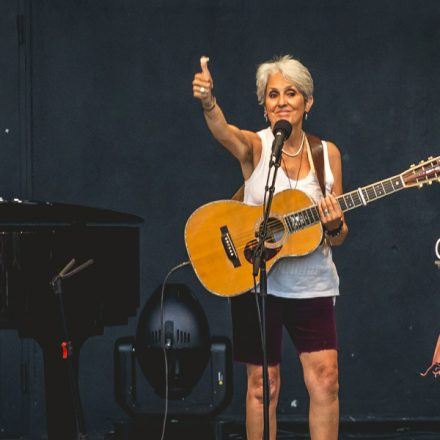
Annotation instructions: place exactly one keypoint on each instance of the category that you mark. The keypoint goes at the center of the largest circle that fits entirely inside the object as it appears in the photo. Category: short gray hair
(291, 69)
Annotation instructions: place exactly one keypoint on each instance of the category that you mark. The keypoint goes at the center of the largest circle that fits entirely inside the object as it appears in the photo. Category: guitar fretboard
(360, 197)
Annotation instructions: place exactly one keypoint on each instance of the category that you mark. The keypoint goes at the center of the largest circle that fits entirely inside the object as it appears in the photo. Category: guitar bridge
(229, 247)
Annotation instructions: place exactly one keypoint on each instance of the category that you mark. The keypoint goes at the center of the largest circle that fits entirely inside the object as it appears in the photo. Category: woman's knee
(322, 381)
(255, 382)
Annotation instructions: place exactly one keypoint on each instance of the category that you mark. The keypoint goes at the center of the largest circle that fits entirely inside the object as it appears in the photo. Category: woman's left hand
(330, 212)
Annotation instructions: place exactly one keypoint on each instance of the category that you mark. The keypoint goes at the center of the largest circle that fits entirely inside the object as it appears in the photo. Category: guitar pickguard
(276, 235)
(268, 253)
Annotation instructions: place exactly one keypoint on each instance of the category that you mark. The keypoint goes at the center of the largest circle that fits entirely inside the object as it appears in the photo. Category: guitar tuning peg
(421, 161)
(429, 182)
(420, 185)
(412, 165)
(430, 157)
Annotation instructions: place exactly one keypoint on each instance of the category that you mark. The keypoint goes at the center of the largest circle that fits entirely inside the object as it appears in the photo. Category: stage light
(199, 371)
(186, 338)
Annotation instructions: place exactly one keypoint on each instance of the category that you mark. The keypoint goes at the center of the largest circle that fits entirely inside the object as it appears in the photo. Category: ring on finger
(202, 90)
(326, 212)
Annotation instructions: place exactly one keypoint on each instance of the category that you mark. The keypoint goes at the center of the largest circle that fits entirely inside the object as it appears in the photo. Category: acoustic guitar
(220, 236)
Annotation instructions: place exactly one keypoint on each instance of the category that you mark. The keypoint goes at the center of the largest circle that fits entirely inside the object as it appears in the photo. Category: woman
(302, 289)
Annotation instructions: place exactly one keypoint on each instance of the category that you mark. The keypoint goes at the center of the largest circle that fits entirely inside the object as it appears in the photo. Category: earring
(265, 115)
(306, 115)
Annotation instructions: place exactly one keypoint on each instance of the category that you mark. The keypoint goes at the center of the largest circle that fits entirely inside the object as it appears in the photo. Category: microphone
(281, 131)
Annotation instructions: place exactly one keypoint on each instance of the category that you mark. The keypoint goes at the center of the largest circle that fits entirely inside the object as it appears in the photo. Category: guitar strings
(246, 238)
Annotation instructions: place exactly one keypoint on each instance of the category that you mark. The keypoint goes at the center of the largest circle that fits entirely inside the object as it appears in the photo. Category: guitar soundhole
(275, 230)
(275, 233)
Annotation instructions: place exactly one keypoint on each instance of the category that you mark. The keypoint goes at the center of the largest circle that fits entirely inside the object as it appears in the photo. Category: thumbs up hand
(203, 84)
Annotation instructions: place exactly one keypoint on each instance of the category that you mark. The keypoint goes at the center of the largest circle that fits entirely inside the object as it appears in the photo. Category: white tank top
(312, 275)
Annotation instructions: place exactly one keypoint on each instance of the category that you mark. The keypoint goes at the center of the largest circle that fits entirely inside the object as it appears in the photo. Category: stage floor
(230, 430)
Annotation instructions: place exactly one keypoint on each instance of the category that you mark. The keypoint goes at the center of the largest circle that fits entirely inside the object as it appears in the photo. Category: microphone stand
(259, 265)
(67, 346)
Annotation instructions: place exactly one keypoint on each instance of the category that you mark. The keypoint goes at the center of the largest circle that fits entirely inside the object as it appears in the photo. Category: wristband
(209, 109)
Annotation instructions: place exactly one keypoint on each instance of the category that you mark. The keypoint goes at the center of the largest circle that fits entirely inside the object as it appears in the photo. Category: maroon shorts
(309, 322)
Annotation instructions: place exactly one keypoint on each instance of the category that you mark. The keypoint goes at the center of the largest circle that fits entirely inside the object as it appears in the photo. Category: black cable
(260, 321)
(162, 329)
(266, 190)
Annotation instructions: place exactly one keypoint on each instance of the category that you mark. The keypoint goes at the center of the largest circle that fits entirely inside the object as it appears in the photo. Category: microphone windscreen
(283, 126)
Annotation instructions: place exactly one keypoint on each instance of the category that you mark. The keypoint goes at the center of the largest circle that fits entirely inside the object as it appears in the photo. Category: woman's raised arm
(239, 142)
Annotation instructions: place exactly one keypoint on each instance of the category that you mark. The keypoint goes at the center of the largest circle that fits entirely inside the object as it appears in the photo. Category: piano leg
(63, 405)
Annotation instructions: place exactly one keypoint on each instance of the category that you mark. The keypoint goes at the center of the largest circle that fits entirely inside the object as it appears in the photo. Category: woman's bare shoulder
(333, 151)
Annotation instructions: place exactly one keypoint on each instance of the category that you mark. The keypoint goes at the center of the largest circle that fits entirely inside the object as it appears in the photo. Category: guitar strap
(316, 159)
(317, 163)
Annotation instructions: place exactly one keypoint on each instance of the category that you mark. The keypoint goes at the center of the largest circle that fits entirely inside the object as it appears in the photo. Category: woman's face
(284, 101)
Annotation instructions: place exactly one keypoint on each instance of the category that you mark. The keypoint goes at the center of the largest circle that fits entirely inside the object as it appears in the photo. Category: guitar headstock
(425, 172)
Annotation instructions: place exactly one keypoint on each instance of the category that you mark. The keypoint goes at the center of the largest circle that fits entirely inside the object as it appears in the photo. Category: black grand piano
(37, 240)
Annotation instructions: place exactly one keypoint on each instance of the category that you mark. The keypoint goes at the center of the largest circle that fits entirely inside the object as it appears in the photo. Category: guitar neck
(354, 199)
(370, 193)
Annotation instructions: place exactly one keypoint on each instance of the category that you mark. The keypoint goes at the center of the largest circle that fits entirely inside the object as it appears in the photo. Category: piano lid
(18, 212)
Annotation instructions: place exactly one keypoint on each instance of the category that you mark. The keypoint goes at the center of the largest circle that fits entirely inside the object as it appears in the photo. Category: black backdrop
(96, 109)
